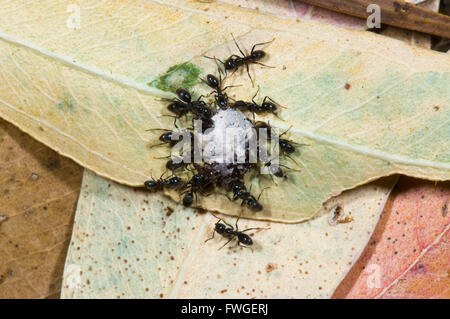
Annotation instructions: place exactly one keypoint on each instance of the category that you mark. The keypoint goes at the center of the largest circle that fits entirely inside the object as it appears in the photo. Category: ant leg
(157, 129)
(253, 98)
(292, 159)
(264, 65)
(253, 229)
(226, 243)
(235, 42)
(213, 58)
(212, 236)
(248, 72)
(226, 195)
(243, 246)
(175, 122)
(231, 86)
(295, 170)
(262, 43)
(155, 145)
(276, 103)
(221, 220)
(237, 229)
(168, 100)
(196, 199)
(162, 157)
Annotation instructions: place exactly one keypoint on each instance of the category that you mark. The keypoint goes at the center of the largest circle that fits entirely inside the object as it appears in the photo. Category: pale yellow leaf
(366, 106)
(131, 244)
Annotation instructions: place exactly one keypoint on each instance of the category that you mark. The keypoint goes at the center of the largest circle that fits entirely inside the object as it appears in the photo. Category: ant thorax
(230, 139)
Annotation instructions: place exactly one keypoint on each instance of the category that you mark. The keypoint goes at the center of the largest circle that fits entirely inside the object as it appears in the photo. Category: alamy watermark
(73, 276)
(374, 19)
(74, 20)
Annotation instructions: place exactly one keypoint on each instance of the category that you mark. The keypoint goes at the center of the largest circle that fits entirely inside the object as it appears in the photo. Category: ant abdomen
(258, 55)
(245, 239)
(184, 95)
(152, 185)
(212, 81)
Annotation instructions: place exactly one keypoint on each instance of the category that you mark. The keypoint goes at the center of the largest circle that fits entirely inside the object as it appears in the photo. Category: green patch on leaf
(184, 75)
(66, 104)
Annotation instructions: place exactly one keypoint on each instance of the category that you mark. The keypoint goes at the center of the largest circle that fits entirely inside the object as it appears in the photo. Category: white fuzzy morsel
(228, 140)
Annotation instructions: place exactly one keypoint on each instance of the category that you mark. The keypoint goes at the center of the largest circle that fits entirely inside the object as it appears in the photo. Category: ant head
(269, 106)
(184, 95)
(237, 186)
(220, 228)
(172, 165)
(223, 105)
(166, 137)
(276, 170)
(197, 178)
(258, 54)
(245, 239)
(212, 81)
(287, 146)
(150, 185)
(254, 205)
(229, 64)
(188, 199)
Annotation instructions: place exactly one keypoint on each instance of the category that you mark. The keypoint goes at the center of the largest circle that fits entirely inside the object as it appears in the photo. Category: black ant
(180, 162)
(174, 165)
(230, 232)
(267, 105)
(216, 84)
(169, 137)
(234, 62)
(157, 185)
(286, 146)
(240, 192)
(184, 104)
(197, 184)
(275, 169)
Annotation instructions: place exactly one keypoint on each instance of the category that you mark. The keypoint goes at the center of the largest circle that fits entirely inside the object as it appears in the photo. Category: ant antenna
(285, 131)
(155, 145)
(262, 43)
(262, 192)
(235, 42)
(276, 103)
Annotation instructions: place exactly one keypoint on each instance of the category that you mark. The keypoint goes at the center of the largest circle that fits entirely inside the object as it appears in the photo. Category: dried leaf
(128, 243)
(38, 194)
(365, 106)
(407, 256)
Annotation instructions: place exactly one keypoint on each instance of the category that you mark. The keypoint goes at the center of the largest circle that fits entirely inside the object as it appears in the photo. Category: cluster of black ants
(228, 176)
